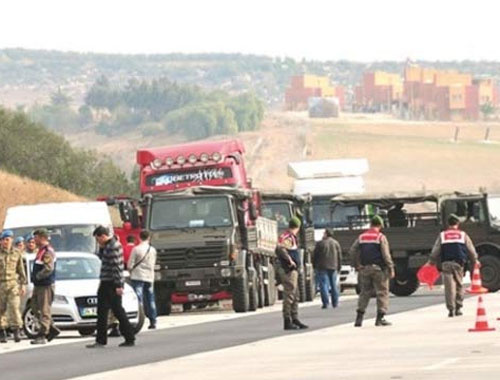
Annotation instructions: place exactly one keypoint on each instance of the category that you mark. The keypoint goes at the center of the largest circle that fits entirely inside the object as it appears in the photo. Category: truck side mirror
(134, 218)
(252, 209)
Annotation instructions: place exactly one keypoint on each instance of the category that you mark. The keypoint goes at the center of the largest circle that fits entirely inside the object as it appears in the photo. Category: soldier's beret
(6, 234)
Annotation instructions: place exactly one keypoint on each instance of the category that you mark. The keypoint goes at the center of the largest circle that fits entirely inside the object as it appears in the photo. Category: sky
(361, 30)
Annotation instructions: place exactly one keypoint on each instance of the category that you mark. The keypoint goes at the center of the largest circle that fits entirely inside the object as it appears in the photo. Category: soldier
(371, 256)
(19, 244)
(288, 254)
(451, 250)
(30, 244)
(12, 286)
(44, 278)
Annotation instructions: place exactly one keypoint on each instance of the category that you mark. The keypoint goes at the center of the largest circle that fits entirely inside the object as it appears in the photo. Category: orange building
(379, 91)
(302, 87)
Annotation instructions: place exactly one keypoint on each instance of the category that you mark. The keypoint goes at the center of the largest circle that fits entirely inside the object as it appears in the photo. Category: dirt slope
(16, 190)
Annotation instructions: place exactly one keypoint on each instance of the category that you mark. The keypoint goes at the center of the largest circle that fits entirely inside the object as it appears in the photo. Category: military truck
(206, 224)
(413, 222)
(281, 207)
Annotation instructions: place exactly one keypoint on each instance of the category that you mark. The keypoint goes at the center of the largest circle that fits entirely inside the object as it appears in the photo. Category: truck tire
(163, 300)
(302, 285)
(271, 291)
(490, 272)
(240, 294)
(310, 283)
(260, 287)
(404, 284)
(253, 303)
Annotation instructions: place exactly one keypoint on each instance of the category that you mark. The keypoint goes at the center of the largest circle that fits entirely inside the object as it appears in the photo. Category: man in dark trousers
(452, 250)
(371, 256)
(327, 261)
(289, 257)
(109, 294)
(44, 279)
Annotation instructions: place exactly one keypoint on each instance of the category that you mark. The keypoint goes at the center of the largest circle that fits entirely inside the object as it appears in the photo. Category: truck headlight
(60, 299)
(225, 272)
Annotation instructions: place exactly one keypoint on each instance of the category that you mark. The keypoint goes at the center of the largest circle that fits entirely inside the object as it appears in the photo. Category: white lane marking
(441, 364)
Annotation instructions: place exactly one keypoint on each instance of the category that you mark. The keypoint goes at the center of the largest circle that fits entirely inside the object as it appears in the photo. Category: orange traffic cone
(476, 286)
(481, 320)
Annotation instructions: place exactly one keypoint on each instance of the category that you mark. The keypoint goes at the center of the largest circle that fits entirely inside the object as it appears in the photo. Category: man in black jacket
(109, 294)
(327, 261)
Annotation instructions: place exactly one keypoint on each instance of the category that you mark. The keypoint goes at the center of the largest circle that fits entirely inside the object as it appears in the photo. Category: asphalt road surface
(72, 360)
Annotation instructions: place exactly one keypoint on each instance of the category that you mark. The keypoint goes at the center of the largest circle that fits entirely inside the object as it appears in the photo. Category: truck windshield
(279, 212)
(190, 213)
(494, 209)
(67, 238)
(325, 215)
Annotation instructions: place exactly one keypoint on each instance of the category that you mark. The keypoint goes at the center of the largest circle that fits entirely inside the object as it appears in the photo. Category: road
(62, 361)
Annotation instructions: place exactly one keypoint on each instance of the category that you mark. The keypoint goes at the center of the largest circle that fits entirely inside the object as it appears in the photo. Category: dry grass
(16, 191)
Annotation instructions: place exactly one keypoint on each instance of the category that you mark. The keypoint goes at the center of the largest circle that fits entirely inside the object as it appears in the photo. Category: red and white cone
(481, 320)
(476, 285)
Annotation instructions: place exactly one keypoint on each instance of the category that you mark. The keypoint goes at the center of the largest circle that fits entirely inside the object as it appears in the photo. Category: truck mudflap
(182, 298)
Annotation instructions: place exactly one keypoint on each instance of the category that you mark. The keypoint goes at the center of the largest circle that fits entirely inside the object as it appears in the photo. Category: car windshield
(67, 238)
(196, 212)
(324, 215)
(76, 268)
(279, 212)
(494, 209)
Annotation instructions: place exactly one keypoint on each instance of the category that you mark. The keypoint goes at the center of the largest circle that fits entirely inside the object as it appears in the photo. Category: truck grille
(192, 257)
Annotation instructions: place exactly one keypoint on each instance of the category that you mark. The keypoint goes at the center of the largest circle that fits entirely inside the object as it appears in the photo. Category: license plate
(89, 312)
(193, 283)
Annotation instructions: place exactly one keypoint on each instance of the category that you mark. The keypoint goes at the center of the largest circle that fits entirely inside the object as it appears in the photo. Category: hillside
(402, 155)
(16, 190)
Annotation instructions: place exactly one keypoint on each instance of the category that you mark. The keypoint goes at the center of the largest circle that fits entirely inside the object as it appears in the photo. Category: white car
(75, 301)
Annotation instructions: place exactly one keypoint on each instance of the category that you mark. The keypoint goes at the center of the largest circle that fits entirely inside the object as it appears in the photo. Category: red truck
(205, 222)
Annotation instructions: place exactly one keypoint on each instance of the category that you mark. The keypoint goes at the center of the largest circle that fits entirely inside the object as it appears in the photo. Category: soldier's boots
(289, 324)
(40, 339)
(17, 335)
(299, 324)
(450, 313)
(458, 312)
(381, 321)
(53, 332)
(3, 336)
(359, 319)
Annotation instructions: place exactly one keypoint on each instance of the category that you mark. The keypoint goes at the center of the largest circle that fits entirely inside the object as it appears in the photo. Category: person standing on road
(12, 287)
(327, 261)
(44, 279)
(289, 257)
(142, 273)
(109, 294)
(451, 251)
(371, 256)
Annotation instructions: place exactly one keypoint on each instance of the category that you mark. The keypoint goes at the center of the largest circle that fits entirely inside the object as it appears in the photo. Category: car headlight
(225, 272)
(60, 299)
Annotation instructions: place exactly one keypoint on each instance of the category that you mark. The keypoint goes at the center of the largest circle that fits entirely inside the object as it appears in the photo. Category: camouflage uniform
(452, 249)
(371, 256)
(12, 277)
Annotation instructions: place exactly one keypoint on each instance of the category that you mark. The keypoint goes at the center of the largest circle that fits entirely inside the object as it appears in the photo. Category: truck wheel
(270, 293)
(302, 286)
(310, 283)
(240, 293)
(404, 284)
(254, 292)
(260, 287)
(86, 331)
(490, 272)
(162, 299)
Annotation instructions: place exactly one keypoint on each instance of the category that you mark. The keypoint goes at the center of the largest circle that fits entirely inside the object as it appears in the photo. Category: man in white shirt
(141, 266)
